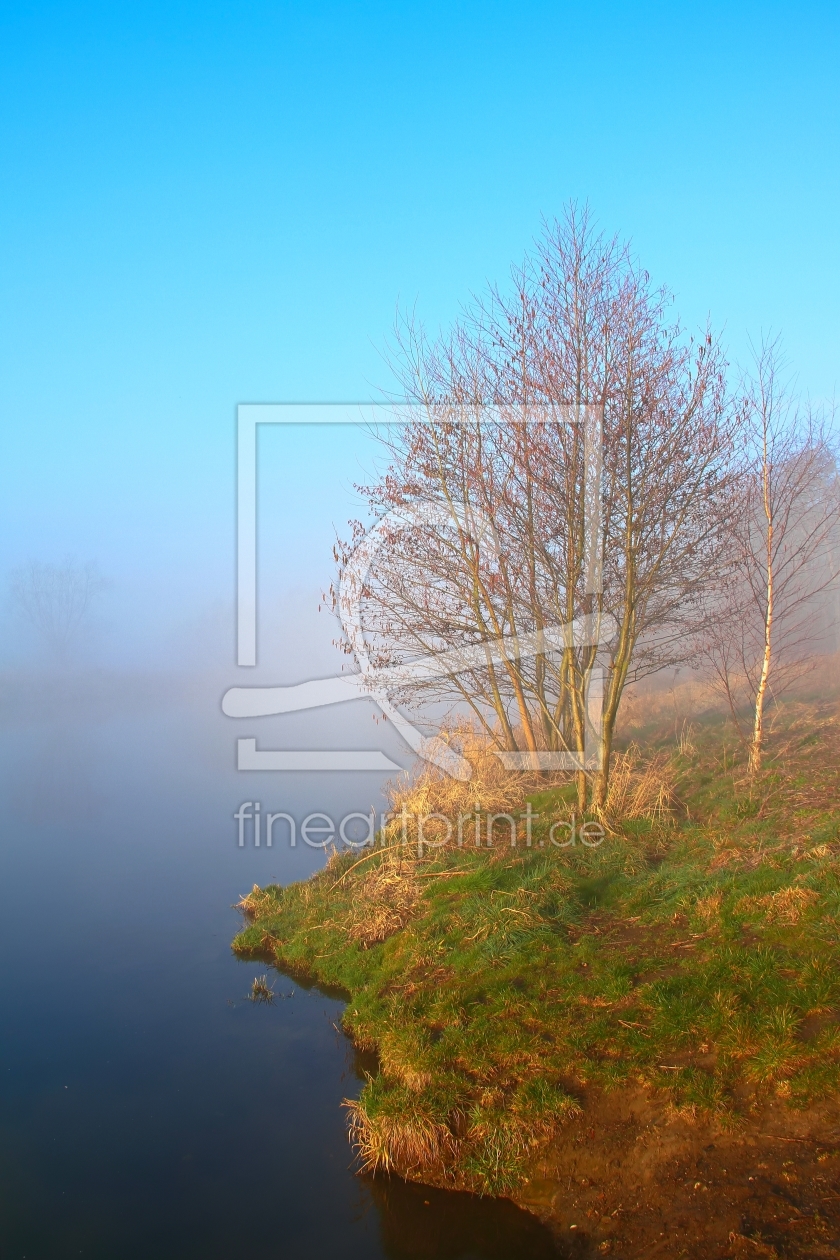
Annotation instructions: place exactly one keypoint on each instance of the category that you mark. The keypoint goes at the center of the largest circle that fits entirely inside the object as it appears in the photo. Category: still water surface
(147, 1109)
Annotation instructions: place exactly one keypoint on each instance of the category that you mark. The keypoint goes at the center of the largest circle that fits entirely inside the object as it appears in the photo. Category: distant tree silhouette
(56, 598)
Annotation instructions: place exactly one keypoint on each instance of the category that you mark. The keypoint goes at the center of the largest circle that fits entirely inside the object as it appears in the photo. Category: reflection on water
(417, 1222)
(146, 1107)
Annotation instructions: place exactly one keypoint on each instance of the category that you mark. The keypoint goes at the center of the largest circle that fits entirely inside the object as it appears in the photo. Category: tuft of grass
(386, 897)
(256, 904)
(261, 990)
(394, 1128)
(642, 787)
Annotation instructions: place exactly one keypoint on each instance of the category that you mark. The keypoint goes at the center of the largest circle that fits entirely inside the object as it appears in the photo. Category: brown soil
(634, 1181)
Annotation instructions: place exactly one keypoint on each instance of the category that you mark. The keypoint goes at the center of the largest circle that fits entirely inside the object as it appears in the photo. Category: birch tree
(782, 550)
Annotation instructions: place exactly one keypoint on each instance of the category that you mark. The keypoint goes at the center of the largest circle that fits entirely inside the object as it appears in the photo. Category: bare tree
(584, 333)
(55, 599)
(781, 554)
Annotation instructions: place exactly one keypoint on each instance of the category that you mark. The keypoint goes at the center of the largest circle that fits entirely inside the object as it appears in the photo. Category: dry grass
(384, 899)
(407, 1141)
(785, 906)
(393, 1129)
(641, 787)
(708, 908)
(491, 788)
(256, 904)
(671, 707)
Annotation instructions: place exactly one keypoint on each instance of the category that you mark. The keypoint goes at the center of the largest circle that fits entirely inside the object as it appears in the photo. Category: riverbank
(593, 1028)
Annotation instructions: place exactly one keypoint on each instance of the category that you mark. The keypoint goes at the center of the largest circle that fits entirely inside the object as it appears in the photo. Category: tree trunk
(758, 724)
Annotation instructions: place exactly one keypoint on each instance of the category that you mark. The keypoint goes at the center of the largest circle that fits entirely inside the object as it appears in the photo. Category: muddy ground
(637, 1181)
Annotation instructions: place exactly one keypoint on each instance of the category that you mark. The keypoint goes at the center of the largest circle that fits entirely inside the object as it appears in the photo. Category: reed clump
(261, 990)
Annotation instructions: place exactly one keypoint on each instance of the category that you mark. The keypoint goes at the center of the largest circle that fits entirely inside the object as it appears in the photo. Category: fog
(134, 1071)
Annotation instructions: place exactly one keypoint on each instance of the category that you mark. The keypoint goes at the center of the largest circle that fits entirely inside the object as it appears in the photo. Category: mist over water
(146, 1106)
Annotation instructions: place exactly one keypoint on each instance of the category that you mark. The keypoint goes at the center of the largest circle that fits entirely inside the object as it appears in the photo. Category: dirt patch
(635, 1180)
(813, 1025)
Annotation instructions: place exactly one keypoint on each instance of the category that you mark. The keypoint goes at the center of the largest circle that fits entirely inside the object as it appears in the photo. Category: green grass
(699, 958)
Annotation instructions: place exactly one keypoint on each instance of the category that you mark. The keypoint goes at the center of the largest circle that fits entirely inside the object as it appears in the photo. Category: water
(146, 1107)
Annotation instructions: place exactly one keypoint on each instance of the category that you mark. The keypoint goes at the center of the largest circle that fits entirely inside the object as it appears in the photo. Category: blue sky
(210, 204)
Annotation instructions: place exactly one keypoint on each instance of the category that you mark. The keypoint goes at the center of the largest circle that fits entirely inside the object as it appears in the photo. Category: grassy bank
(694, 954)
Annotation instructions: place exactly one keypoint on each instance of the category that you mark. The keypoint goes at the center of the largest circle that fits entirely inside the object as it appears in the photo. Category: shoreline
(615, 1038)
(637, 1180)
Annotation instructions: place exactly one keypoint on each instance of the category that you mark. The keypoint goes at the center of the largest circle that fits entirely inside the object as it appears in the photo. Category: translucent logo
(381, 684)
